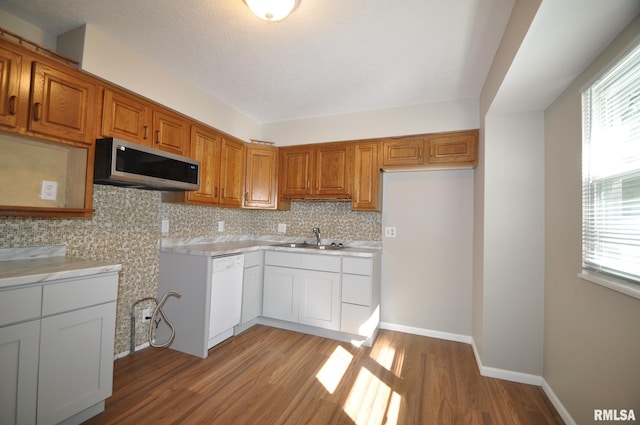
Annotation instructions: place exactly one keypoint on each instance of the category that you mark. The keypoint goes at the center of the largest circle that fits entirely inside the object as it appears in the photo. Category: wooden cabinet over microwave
(221, 170)
(125, 116)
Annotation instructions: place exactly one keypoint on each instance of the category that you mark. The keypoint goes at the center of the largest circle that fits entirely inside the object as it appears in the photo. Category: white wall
(115, 62)
(427, 267)
(418, 119)
(513, 289)
(27, 30)
(591, 344)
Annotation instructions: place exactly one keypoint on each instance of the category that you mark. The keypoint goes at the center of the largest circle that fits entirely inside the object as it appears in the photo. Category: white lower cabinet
(19, 372)
(296, 291)
(56, 350)
(76, 362)
(252, 286)
(360, 296)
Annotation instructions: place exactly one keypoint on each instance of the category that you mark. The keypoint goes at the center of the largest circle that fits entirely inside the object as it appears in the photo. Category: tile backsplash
(125, 229)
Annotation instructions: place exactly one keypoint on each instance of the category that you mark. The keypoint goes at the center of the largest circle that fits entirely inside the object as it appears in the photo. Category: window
(611, 172)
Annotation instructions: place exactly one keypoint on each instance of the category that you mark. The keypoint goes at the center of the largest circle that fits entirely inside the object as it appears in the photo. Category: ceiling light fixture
(272, 10)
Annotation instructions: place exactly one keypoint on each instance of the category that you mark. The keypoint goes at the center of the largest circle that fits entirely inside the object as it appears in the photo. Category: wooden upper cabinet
(10, 70)
(366, 195)
(126, 117)
(460, 148)
(170, 132)
(296, 170)
(62, 104)
(231, 173)
(205, 147)
(332, 170)
(403, 151)
(314, 171)
(261, 179)
(221, 170)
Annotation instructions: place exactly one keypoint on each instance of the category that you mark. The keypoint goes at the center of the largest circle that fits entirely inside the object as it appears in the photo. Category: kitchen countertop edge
(240, 247)
(44, 270)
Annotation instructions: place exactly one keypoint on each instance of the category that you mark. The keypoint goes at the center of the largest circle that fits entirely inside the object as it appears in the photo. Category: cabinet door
(319, 299)
(126, 117)
(261, 182)
(170, 132)
(205, 147)
(10, 67)
(405, 151)
(280, 294)
(251, 293)
(19, 373)
(62, 104)
(366, 194)
(454, 148)
(231, 173)
(296, 171)
(332, 170)
(76, 362)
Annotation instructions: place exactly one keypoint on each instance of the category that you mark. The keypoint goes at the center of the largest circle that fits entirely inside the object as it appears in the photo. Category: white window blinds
(611, 171)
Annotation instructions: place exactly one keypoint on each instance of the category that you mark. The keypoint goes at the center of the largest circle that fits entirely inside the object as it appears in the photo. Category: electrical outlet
(282, 228)
(165, 226)
(390, 232)
(146, 315)
(221, 226)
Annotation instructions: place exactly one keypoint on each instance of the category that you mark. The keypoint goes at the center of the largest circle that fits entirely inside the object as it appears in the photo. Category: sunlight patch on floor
(371, 401)
(334, 368)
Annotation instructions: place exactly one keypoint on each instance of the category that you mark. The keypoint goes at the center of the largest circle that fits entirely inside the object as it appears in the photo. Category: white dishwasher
(226, 297)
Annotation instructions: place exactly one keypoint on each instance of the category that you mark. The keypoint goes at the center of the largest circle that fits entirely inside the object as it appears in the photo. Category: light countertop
(22, 266)
(218, 248)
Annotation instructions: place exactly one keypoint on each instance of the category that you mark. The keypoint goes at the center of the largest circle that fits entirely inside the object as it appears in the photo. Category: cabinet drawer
(325, 263)
(283, 259)
(353, 265)
(79, 293)
(17, 305)
(355, 319)
(356, 289)
(252, 258)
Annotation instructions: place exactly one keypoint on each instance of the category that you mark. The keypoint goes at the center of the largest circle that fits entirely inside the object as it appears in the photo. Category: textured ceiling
(328, 57)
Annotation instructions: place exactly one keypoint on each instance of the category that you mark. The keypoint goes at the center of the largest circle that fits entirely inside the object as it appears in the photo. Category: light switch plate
(390, 232)
(221, 226)
(49, 191)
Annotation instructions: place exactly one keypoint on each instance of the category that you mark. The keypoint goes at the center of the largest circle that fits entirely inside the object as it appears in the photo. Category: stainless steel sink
(306, 245)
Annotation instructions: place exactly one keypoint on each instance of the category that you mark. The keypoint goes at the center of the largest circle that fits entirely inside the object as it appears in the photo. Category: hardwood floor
(270, 376)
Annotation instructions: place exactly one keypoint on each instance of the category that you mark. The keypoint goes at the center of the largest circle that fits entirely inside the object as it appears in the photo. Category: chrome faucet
(316, 231)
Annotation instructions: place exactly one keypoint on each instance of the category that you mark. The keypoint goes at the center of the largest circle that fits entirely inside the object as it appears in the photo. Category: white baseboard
(427, 332)
(126, 353)
(491, 372)
(564, 414)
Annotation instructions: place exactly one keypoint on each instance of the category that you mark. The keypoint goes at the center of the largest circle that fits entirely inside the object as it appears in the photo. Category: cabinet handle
(157, 136)
(215, 192)
(419, 153)
(246, 196)
(37, 111)
(145, 134)
(13, 100)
